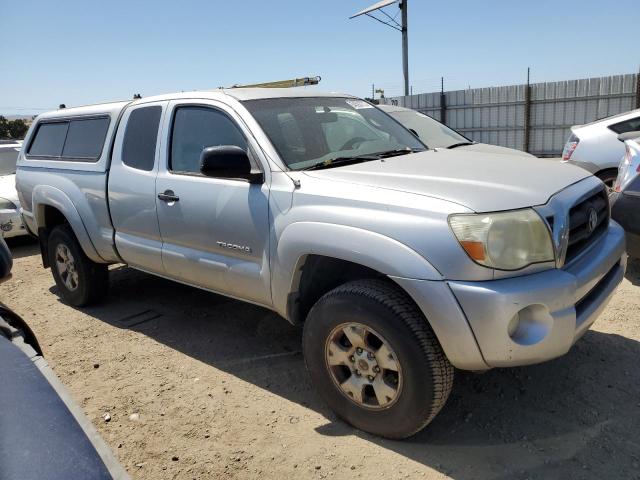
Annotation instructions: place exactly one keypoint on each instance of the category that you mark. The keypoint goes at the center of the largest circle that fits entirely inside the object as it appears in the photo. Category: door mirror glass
(228, 161)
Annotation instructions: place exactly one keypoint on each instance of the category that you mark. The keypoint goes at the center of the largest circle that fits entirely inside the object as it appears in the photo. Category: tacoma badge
(233, 246)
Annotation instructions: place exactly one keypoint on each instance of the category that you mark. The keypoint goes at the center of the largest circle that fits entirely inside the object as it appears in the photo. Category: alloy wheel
(66, 266)
(363, 366)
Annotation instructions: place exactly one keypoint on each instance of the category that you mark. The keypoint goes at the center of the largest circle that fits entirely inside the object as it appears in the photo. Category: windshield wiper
(335, 162)
(395, 153)
(338, 161)
(461, 144)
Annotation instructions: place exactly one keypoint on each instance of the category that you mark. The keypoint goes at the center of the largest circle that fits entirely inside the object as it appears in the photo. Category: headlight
(7, 204)
(504, 240)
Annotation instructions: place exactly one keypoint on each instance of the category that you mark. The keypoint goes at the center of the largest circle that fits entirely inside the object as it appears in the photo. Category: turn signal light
(474, 249)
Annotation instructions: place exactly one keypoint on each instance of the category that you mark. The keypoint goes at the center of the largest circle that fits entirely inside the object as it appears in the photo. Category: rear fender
(46, 195)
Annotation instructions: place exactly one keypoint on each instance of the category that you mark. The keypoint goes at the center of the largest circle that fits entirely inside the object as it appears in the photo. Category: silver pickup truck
(400, 261)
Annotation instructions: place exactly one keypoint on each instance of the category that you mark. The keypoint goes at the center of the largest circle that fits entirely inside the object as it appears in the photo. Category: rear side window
(630, 125)
(71, 140)
(85, 138)
(140, 137)
(49, 139)
(196, 128)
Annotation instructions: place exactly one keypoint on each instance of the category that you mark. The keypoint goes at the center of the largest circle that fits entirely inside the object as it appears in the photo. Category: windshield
(430, 131)
(306, 131)
(8, 157)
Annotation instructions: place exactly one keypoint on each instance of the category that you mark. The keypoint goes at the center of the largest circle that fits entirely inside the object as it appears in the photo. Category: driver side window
(196, 128)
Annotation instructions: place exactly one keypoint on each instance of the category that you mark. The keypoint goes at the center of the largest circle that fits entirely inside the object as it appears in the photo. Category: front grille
(582, 232)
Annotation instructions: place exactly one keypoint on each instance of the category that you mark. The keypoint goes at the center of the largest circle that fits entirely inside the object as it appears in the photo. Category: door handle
(168, 196)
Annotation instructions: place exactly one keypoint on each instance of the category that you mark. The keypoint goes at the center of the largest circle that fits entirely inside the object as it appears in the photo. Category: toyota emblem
(593, 220)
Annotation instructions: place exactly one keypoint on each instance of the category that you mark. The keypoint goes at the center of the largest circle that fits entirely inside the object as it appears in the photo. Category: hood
(8, 188)
(482, 182)
(487, 148)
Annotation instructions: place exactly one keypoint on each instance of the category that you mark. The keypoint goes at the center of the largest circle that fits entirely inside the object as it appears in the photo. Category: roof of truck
(239, 93)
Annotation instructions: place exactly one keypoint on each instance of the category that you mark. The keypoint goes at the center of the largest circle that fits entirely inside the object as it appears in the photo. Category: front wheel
(80, 281)
(374, 359)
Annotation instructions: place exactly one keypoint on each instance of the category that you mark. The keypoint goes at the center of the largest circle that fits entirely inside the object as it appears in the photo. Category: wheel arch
(53, 207)
(332, 254)
(605, 172)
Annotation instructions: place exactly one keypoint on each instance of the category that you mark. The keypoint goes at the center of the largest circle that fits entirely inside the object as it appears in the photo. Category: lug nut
(352, 359)
(370, 356)
(376, 369)
(357, 373)
(370, 378)
(358, 350)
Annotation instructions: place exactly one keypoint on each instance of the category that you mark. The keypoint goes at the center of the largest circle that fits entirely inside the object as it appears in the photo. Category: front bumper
(474, 320)
(11, 224)
(530, 319)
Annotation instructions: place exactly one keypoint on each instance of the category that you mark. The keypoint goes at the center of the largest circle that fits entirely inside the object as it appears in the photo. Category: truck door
(215, 231)
(132, 186)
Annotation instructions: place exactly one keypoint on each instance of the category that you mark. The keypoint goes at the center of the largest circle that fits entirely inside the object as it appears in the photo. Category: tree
(4, 127)
(14, 129)
(18, 129)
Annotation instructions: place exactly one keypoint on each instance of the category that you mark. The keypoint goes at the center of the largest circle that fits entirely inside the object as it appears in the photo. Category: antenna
(391, 22)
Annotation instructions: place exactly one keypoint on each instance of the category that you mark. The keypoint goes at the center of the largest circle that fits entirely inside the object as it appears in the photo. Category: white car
(595, 146)
(10, 220)
(437, 135)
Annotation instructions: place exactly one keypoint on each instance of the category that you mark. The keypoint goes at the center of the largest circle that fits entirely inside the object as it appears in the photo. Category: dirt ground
(220, 391)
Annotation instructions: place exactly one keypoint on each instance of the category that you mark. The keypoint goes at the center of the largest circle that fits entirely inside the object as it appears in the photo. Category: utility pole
(638, 89)
(527, 112)
(402, 27)
(405, 45)
(443, 102)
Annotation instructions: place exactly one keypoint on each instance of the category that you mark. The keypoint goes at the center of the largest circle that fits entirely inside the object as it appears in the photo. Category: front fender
(373, 250)
(46, 195)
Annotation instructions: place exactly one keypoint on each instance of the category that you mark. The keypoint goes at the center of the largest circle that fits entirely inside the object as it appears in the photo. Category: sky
(78, 52)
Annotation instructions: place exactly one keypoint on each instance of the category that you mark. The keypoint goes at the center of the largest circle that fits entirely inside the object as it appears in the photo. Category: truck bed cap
(96, 109)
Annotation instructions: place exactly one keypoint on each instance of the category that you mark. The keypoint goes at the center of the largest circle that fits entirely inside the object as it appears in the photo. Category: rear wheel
(374, 359)
(80, 281)
(608, 177)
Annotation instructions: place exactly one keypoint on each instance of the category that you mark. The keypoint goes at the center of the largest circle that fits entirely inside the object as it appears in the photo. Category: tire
(608, 177)
(425, 376)
(89, 282)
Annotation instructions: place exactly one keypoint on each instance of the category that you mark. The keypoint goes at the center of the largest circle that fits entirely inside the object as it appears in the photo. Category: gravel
(252, 413)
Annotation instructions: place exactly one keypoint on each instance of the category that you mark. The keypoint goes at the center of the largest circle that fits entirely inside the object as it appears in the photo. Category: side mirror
(228, 161)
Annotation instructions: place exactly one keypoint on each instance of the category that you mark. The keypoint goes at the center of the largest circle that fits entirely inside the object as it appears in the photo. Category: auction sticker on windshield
(358, 104)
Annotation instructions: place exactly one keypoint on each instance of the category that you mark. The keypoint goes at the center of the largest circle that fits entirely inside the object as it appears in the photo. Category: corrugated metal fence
(498, 115)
